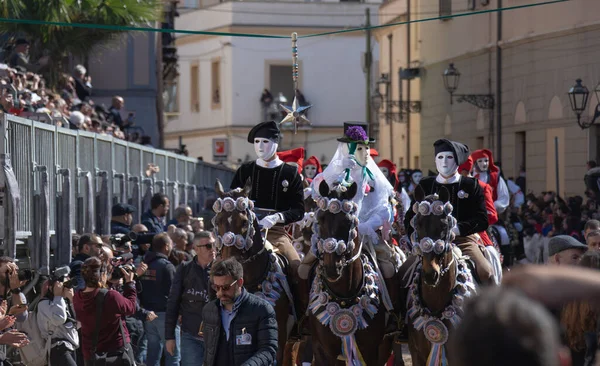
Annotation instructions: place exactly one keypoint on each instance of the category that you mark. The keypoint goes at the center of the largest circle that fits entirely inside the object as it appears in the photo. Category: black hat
(461, 151)
(559, 243)
(21, 41)
(268, 130)
(356, 132)
(121, 209)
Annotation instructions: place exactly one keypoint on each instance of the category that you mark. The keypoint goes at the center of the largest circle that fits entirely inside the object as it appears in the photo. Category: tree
(60, 40)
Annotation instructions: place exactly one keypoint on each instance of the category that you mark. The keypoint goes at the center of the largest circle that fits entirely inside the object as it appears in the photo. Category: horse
(302, 230)
(440, 279)
(345, 310)
(238, 235)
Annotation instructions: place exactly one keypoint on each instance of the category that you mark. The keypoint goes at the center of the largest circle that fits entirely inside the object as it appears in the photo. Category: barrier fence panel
(33, 145)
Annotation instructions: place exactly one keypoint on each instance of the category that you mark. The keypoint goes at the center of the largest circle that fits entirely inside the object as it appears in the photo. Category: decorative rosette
(449, 312)
(267, 287)
(369, 281)
(323, 203)
(415, 207)
(448, 208)
(249, 243)
(436, 331)
(461, 277)
(458, 301)
(228, 239)
(332, 308)
(335, 206)
(364, 301)
(424, 208)
(462, 194)
(240, 242)
(413, 222)
(330, 245)
(437, 207)
(241, 203)
(350, 245)
(353, 234)
(228, 204)
(285, 183)
(343, 323)
(417, 250)
(461, 289)
(357, 310)
(341, 247)
(439, 247)
(298, 245)
(426, 245)
(218, 205)
(322, 298)
(347, 206)
(251, 205)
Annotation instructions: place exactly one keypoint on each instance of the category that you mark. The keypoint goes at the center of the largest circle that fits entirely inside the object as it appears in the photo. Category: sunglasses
(208, 246)
(223, 287)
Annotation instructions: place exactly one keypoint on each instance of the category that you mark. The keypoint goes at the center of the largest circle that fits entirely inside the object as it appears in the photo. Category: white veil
(375, 206)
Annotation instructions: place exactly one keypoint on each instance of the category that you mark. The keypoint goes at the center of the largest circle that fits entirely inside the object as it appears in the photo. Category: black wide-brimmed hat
(356, 132)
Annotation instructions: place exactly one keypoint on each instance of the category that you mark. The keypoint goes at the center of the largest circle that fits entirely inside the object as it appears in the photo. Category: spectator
(77, 120)
(593, 240)
(181, 215)
(189, 293)
(83, 83)
(89, 245)
(565, 250)
(179, 237)
(121, 218)
(113, 337)
(249, 340)
(154, 218)
(19, 58)
(115, 111)
(590, 225)
(56, 321)
(156, 283)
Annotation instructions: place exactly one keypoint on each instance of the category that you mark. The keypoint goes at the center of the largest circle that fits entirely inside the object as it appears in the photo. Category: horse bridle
(320, 246)
(228, 239)
(426, 244)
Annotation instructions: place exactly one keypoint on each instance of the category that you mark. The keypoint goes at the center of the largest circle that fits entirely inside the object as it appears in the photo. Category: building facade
(222, 78)
(527, 60)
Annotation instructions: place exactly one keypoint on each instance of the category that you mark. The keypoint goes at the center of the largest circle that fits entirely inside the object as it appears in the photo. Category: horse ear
(419, 193)
(351, 192)
(219, 188)
(444, 194)
(247, 187)
(324, 189)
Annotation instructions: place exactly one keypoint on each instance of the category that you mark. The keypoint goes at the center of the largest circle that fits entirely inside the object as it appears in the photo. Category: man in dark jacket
(156, 285)
(239, 328)
(153, 219)
(120, 222)
(89, 245)
(189, 293)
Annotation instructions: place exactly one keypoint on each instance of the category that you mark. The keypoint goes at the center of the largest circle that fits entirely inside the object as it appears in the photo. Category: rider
(312, 167)
(485, 170)
(415, 177)
(277, 189)
(468, 201)
(388, 168)
(294, 157)
(352, 163)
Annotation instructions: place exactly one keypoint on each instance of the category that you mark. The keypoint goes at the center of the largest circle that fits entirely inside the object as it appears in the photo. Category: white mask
(265, 149)
(446, 164)
(385, 171)
(310, 171)
(483, 164)
(416, 177)
(362, 154)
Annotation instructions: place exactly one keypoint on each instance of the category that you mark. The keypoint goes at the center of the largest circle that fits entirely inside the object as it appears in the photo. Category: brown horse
(238, 235)
(441, 279)
(346, 315)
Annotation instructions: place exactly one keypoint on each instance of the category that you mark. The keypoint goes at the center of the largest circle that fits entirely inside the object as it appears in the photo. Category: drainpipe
(408, 85)
(498, 84)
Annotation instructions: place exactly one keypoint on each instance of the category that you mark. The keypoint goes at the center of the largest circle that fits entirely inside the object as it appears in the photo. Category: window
(281, 82)
(171, 96)
(445, 8)
(195, 88)
(215, 69)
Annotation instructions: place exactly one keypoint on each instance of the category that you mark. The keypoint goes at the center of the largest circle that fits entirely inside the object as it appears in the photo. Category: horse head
(235, 224)
(335, 229)
(432, 236)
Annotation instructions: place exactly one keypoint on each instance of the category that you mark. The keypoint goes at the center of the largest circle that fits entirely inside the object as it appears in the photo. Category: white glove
(364, 228)
(349, 162)
(269, 221)
(456, 231)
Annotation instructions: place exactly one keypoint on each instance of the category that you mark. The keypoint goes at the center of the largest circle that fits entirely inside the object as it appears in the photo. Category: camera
(119, 263)
(118, 240)
(60, 274)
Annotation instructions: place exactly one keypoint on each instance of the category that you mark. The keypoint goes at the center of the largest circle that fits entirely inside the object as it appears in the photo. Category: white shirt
(452, 179)
(269, 164)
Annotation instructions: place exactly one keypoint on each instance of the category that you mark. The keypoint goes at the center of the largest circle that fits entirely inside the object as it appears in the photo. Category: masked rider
(486, 171)
(467, 199)
(415, 177)
(388, 168)
(277, 189)
(294, 157)
(312, 167)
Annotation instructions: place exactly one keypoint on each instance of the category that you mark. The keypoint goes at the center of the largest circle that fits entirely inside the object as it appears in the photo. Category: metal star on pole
(295, 114)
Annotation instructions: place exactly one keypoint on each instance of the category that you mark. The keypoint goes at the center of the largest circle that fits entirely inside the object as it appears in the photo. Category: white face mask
(416, 177)
(265, 149)
(310, 171)
(362, 154)
(446, 164)
(483, 164)
(385, 171)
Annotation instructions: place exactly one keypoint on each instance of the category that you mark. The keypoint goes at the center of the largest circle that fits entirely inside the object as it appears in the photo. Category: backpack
(37, 352)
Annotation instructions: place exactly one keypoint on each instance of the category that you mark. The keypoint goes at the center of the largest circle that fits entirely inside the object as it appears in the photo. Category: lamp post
(578, 97)
(451, 78)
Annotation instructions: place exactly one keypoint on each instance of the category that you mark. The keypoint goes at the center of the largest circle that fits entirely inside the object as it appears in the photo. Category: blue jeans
(155, 333)
(194, 350)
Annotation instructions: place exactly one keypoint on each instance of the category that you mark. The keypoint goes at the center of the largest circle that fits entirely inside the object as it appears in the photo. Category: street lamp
(578, 97)
(451, 78)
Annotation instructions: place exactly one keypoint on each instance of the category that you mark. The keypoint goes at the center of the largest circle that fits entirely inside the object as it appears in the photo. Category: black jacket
(470, 212)
(75, 267)
(255, 317)
(156, 282)
(190, 291)
(152, 222)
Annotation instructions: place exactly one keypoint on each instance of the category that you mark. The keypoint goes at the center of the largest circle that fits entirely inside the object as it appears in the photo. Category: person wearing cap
(19, 58)
(120, 222)
(294, 157)
(467, 199)
(485, 170)
(565, 250)
(312, 167)
(277, 189)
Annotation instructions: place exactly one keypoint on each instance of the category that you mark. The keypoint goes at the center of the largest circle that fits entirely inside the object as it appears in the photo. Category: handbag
(123, 356)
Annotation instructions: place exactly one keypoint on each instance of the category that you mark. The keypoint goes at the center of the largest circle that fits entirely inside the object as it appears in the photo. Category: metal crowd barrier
(55, 182)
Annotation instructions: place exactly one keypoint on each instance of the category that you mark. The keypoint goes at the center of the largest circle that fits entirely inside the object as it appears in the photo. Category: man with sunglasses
(89, 245)
(190, 291)
(239, 328)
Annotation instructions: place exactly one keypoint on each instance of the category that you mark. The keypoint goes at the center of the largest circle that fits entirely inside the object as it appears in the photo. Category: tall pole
(388, 94)
(556, 165)
(408, 85)
(499, 84)
(368, 65)
(160, 110)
